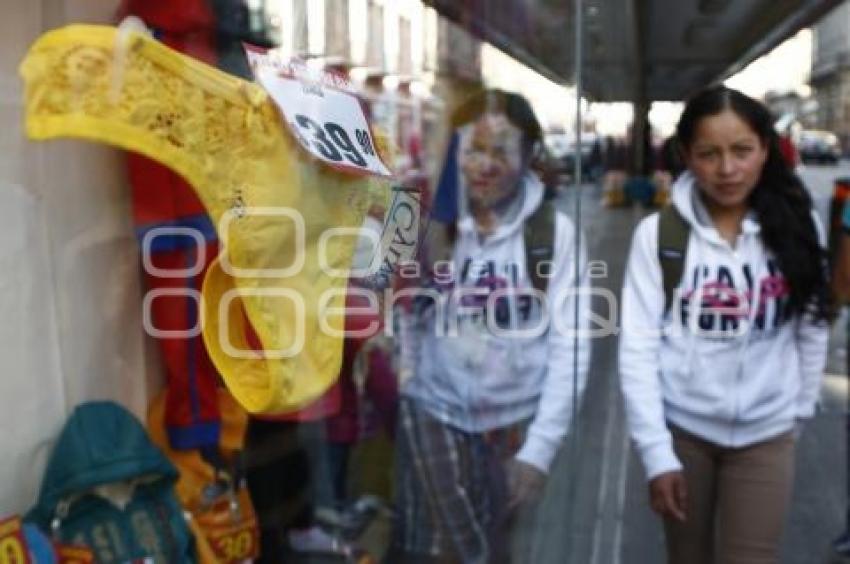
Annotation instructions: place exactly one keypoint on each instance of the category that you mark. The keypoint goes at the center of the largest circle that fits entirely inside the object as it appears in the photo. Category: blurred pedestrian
(595, 160)
(726, 305)
(789, 151)
(841, 291)
(616, 161)
(668, 167)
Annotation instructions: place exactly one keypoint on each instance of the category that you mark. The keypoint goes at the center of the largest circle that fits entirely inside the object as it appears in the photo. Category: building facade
(830, 76)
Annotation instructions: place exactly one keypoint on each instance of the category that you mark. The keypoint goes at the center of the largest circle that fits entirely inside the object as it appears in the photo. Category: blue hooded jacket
(103, 444)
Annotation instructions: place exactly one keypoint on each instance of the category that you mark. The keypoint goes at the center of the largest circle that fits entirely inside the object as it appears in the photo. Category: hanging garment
(270, 202)
(163, 199)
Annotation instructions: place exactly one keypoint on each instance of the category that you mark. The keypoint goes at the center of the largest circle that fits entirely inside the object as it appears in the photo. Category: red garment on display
(162, 198)
(175, 16)
(187, 26)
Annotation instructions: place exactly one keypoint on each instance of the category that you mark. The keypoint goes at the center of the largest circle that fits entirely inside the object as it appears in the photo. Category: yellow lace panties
(224, 135)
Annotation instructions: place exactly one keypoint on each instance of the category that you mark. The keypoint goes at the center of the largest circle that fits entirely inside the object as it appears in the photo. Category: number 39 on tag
(329, 123)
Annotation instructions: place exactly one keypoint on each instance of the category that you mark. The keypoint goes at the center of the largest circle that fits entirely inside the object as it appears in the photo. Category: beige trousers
(737, 501)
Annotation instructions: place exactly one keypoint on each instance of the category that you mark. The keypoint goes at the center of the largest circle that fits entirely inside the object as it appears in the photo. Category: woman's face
(491, 159)
(727, 157)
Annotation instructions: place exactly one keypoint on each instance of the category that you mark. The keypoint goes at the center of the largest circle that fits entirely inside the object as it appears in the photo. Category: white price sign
(327, 121)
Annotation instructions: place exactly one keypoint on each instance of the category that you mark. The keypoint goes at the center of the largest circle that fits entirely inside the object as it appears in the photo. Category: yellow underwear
(224, 135)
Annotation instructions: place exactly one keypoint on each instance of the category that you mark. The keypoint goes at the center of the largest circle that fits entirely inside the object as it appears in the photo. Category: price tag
(321, 111)
(399, 240)
(13, 545)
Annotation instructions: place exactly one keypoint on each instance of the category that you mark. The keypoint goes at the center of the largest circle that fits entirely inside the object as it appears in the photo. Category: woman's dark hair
(515, 107)
(781, 202)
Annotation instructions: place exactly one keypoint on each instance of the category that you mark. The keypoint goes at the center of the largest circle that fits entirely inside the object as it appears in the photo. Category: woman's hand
(668, 495)
(525, 483)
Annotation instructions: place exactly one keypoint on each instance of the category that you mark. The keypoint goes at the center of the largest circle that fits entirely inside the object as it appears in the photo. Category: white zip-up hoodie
(732, 374)
(476, 379)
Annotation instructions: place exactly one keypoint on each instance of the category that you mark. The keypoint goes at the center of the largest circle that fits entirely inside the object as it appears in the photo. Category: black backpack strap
(539, 235)
(673, 234)
(438, 244)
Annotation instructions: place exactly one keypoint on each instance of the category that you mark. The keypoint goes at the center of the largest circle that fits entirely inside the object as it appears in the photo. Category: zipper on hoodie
(473, 251)
(739, 369)
(737, 387)
(734, 257)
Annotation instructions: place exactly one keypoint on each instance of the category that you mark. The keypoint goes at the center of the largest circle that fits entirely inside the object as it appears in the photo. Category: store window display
(223, 136)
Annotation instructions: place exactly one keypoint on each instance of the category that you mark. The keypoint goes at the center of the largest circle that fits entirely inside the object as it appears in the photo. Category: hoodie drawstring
(754, 303)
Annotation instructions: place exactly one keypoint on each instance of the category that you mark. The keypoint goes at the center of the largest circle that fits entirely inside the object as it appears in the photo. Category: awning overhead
(680, 45)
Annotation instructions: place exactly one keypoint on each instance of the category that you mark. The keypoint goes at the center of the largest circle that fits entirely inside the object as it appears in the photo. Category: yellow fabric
(225, 137)
(195, 472)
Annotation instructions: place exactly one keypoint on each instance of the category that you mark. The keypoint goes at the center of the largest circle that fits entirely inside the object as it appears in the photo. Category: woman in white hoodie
(718, 376)
(492, 388)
